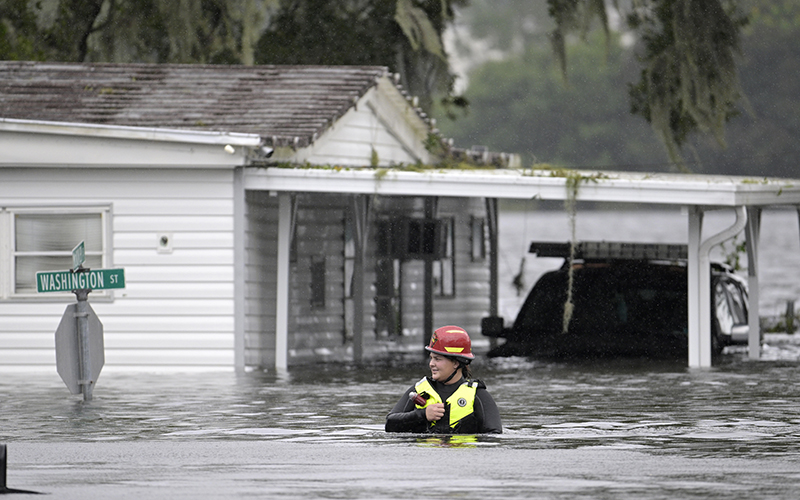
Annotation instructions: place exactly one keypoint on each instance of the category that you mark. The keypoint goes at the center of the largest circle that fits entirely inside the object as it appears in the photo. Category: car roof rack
(599, 250)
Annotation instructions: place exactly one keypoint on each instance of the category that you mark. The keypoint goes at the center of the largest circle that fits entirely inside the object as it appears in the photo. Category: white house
(263, 217)
(147, 164)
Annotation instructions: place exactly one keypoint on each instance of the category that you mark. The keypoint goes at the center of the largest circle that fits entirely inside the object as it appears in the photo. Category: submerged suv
(628, 300)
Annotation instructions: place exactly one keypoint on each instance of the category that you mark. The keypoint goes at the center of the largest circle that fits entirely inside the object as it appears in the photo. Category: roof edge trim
(127, 132)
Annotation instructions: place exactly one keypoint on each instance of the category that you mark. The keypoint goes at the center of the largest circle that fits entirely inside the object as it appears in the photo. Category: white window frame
(8, 254)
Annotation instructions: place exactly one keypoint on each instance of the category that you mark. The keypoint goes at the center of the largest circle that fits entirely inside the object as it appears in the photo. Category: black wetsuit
(406, 417)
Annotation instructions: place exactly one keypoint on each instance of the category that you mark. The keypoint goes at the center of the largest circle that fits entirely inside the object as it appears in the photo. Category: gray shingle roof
(283, 104)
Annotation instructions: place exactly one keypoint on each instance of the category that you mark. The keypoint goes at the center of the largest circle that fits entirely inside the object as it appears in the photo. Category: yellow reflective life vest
(461, 403)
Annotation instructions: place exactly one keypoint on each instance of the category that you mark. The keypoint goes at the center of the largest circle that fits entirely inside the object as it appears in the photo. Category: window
(318, 282)
(731, 306)
(349, 256)
(388, 299)
(43, 239)
(444, 268)
(478, 239)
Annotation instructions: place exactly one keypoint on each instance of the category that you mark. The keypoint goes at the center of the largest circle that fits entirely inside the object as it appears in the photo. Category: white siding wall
(353, 138)
(177, 309)
(318, 331)
(471, 300)
(375, 123)
(315, 332)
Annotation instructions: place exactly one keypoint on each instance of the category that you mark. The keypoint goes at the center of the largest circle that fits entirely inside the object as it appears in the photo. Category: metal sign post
(79, 346)
(86, 382)
(79, 356)
(79, 337)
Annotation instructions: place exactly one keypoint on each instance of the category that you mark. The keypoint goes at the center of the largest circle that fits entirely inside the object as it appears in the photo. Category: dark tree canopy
(763, 140)
(520, 103)
(688, 49)
(159, 31)
(691, 83)
(405, 35)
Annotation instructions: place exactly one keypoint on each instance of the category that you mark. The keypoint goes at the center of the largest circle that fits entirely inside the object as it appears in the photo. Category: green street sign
(66, 281)
(78, 256)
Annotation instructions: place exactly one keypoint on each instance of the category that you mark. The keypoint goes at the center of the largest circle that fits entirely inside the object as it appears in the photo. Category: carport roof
(621, 187)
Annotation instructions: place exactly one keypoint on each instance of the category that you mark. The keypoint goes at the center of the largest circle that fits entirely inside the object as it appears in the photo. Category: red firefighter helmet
(452, 341)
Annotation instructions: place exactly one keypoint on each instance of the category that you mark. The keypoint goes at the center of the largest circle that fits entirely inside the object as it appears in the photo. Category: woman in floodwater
(449, 401)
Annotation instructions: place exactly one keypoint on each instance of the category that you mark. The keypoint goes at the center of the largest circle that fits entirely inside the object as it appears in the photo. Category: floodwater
(625, 429)
(622, 430)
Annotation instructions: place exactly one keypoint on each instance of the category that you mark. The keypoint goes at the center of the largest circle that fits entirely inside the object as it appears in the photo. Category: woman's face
(442, 367)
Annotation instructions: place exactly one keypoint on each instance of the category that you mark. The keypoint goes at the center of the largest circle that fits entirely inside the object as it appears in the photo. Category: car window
(737, 302)
(722, 306)
(543, 310)
(608, 299)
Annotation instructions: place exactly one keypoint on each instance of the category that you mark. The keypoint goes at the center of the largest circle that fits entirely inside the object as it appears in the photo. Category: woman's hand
(434, 411)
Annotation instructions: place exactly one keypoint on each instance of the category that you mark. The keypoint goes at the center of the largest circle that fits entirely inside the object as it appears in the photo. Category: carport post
(693, 254)
(360, 214)
(752, 234)
(431, 208)
(239, 269)
(282, 301)
(494, 293)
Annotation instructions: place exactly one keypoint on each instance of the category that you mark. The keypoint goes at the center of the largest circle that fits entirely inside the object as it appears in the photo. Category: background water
(779, 247)
(627, 429)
